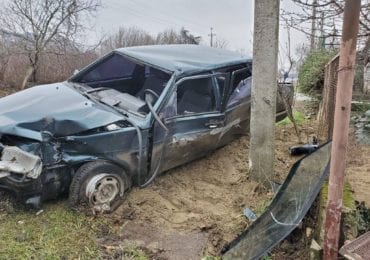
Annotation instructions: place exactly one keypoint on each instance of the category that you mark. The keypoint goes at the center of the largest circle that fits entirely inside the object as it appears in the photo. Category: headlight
(112, 127)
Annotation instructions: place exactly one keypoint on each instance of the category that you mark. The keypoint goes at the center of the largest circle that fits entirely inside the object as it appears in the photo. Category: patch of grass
(348, 200)
(262, 206)
(360, 107)
(135, 253)
(298, 117)
(57, 233)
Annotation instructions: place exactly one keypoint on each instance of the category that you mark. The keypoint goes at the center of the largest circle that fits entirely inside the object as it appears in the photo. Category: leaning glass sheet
(286, 210)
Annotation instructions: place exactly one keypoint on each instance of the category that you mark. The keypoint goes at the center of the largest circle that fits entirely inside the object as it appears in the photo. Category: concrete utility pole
(211, 35)
(313, 24)
(264, 89)
(346, 73)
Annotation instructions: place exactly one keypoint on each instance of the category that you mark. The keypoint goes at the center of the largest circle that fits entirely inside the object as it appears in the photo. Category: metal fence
(327, 105)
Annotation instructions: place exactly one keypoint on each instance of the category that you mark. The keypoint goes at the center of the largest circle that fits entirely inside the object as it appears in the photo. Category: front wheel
(99, 186)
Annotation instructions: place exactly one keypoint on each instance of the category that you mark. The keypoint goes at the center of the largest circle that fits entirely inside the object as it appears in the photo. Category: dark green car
(119, 122)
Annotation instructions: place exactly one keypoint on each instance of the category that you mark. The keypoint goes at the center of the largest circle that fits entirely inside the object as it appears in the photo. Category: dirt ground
(201, 203)
(358, 170)
(203, 199)
(194, 210)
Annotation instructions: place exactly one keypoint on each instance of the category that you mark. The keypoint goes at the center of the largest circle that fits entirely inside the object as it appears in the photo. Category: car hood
(56, 108)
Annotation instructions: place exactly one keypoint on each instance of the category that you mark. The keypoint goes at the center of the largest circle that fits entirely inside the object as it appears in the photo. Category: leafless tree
(221, 43)
(287, 61)
(321, 20)
(126, 37)
(4, 55)
(134, 36)
(42, 23)
(170, 36)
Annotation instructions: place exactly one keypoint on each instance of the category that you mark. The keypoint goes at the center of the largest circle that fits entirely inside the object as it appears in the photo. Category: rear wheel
(99, 186)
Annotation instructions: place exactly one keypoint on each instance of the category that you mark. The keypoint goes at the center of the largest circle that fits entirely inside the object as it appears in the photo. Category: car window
(114, 67)
(240, 86)
(196, 96)
(242, 90)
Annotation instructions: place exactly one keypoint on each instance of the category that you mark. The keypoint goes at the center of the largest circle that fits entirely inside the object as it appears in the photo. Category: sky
(232, 20)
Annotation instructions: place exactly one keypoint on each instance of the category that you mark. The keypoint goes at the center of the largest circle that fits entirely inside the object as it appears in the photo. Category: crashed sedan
(121, 121)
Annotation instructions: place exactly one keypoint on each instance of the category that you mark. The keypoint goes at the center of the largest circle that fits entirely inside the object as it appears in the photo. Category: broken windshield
(119, 82)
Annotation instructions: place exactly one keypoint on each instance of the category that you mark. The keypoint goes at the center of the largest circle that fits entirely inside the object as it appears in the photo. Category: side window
(114, 67)
(240, 88)
(196, 96)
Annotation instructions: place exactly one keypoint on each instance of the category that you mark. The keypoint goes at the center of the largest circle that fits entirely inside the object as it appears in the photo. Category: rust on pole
(346, 72)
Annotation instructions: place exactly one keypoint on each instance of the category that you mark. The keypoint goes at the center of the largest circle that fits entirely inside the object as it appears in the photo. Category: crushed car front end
(32, 170)
(48, 132)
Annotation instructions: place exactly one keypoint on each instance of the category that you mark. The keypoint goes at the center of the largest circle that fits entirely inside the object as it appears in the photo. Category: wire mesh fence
(327, 105)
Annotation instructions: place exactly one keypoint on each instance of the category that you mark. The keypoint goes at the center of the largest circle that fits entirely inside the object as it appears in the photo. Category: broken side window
(196, 96)
(242, 90)
(240, 86)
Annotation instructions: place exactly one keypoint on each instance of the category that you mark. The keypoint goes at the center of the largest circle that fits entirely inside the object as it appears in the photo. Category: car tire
(99, 186)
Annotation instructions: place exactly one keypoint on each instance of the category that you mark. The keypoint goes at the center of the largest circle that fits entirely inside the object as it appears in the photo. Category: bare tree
(170, 36)
(288, 62)
(42, 23)
(134, 36)
(321, 20)
(221, 43)
(126, 37)
(4, 54)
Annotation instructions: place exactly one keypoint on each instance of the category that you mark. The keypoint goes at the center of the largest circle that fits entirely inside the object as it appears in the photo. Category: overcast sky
(232, 20)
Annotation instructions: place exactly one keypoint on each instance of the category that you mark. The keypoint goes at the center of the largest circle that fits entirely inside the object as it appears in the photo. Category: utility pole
(322, 32)
(211, 35)
(264, 90)
(346, 73)
(313, 24)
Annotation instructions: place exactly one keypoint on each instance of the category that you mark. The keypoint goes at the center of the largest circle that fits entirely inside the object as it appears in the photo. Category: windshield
(122, 83)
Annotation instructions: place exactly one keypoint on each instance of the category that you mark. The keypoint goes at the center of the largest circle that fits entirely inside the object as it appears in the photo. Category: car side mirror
(75, 72)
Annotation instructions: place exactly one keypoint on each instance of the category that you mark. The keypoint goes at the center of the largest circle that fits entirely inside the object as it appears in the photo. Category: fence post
(346, 70)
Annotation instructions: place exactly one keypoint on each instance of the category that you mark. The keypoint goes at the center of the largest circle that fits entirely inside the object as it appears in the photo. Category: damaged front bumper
(22, 173)
(15, 161)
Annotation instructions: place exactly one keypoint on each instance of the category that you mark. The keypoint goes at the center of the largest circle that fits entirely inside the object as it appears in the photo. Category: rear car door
(194, 119)
(236, 104)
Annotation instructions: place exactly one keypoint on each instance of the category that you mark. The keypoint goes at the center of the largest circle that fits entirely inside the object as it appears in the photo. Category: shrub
(311, 72)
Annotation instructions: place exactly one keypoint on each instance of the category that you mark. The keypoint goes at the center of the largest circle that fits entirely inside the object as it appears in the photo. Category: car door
(194, 120)
(236, 104)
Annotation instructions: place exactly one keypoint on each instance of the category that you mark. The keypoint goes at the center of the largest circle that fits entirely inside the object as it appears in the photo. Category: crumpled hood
(56, 108)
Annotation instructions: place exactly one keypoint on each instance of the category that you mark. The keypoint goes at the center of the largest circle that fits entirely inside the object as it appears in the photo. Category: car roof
(184, 59)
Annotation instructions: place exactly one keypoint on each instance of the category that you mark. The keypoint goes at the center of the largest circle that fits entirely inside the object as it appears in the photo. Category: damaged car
(121, 121)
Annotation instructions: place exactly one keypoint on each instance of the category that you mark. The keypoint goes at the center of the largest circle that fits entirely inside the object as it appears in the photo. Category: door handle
(214, 124)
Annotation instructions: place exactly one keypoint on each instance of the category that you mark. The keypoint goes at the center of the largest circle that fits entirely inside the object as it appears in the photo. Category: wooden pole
(346, 73)
(264, 90)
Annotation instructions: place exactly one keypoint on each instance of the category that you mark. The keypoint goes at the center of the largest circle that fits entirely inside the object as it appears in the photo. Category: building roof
(184, 59)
